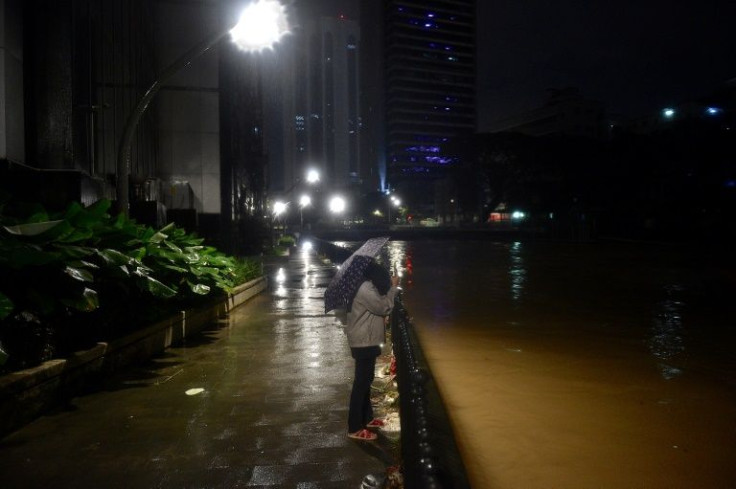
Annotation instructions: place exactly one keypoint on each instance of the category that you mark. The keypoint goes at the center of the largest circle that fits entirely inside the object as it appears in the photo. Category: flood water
(580, 366)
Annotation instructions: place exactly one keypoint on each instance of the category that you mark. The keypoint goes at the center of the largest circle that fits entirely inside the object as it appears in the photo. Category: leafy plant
(79, 272)
(287, 240)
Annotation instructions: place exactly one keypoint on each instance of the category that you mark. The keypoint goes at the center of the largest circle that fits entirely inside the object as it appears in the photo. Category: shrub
(69, 280)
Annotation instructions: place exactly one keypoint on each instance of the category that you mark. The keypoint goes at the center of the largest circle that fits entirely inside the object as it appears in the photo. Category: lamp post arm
(124, 151)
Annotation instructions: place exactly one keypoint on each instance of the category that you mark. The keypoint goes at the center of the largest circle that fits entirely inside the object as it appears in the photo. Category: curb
(26, 394)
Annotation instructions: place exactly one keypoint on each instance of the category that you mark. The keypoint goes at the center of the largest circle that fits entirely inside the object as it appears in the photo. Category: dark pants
(361, 411)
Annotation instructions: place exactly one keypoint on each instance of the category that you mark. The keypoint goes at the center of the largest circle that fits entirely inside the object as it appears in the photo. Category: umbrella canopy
(351, 274)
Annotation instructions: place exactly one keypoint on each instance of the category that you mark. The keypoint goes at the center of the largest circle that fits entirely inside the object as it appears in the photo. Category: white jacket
(365, 319)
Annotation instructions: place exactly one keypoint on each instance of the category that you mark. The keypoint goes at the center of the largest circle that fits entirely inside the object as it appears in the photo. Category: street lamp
(394, 201)
(312, 176)
(337, 205)
(261, 25)
(279, 208)
(304, 201)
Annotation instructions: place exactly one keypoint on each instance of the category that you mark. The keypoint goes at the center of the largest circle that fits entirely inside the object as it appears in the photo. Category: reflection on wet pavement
(260, 401)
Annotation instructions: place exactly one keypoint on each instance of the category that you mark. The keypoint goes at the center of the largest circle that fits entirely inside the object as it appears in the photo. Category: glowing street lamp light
(395, 201)
(262, 24)
(337, 205)
(304, 201)
(279, 208)
(312, 176)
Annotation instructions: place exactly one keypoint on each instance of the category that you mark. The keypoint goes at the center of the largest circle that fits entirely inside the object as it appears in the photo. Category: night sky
(636, 56)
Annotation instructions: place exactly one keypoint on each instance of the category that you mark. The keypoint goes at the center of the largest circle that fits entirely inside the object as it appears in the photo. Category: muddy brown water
(580, 366)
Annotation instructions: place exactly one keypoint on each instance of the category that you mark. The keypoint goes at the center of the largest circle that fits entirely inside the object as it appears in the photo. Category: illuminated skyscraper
(430, 81)
(428, 71)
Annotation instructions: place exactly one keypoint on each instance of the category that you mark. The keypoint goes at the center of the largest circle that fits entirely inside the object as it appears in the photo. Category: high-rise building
(429, 73)
(316, 98)
(333, 119)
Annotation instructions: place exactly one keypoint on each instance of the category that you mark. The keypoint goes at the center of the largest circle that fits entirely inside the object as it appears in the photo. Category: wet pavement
(259, 401)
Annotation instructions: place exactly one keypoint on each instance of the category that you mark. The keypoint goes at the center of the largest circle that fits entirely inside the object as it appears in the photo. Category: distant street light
(279, 208)
(312, 176)
(261, 25)
(394, 201)
(337, 205)
(304, 201)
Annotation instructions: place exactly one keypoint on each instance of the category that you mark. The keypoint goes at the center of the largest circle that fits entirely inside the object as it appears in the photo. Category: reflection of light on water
(396, 258)
(517, 271)
(666, 340)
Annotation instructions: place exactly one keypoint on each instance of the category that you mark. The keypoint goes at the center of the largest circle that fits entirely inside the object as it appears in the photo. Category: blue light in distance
(713, 110)
(668, 113)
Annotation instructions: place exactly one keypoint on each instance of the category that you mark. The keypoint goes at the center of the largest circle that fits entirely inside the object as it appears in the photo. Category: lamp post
(337, 206)
(261, 25)
(278, 209)
(304, 201)
(393, 201)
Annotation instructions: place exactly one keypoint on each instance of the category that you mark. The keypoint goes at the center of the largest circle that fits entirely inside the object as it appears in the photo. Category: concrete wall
(12, 135)
(188, 105)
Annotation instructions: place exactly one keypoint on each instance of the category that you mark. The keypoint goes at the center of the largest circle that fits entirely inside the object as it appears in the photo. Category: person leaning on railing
(366, 335)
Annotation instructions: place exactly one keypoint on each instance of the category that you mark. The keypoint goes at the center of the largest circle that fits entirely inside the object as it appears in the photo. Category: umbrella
(347, 280)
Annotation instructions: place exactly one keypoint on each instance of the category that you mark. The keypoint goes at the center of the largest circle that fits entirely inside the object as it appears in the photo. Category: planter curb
(26, 394)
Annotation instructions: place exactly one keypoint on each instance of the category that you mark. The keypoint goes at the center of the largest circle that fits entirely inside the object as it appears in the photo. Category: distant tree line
(676, 184)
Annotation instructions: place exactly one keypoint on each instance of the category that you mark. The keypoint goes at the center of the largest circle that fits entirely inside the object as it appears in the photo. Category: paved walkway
(272, 413)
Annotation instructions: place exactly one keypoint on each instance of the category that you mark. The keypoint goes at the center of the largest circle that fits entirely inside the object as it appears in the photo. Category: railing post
(416, 448)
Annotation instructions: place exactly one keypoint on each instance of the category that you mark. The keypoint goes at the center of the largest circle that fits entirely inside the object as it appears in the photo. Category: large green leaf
(38, 217)
(80, 274)
(56, 233)
(6, 306)
(32, 228)
(87, 301)
(78, 234)
(162, 233)
(83, 264)
(97, 211)
(192, 257)
(166, 254)
(200, 289)
(173, 247)
(157, 288)
(141, 271)
(73, 210)
(75, 252)
(138, 253)
(174, 268)
(114, 257)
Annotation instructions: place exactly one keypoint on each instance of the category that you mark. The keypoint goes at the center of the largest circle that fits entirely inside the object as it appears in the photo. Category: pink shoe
(363, 434)
(376, 423)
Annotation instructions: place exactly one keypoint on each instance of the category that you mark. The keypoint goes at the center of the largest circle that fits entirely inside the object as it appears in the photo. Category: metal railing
(430, 457)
